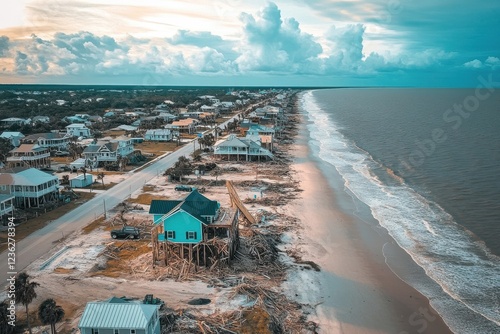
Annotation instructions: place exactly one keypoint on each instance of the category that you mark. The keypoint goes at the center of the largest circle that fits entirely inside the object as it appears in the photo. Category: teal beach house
(180, 225)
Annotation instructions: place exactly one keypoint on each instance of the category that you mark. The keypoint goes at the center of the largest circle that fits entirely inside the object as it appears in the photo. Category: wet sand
(355, 291)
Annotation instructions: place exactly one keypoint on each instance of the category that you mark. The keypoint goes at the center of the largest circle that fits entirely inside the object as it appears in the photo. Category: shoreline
(355, 292)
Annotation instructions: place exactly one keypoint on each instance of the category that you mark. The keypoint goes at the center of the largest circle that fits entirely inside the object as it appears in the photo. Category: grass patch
(146, 198)
(34, 224)
(156, 148)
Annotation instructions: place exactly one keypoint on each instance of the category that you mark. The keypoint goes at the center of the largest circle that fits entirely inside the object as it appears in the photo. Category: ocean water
(426, 162)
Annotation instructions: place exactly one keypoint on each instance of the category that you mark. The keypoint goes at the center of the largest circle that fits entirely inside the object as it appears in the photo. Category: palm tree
(25, 293)
(101, 176)
(84, 171)
(50, 313)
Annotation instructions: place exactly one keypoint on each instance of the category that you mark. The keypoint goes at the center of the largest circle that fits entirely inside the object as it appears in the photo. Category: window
(116, 331)
(132, 331)
(190, 235)
(170, 234)
(95, 331)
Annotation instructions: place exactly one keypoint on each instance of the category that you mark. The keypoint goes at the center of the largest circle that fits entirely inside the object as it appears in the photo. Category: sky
(425, 43)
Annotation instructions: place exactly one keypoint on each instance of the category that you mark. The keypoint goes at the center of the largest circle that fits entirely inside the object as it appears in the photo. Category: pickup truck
(126, 232)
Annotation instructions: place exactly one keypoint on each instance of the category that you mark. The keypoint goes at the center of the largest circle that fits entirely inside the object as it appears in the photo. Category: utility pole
(104, 203)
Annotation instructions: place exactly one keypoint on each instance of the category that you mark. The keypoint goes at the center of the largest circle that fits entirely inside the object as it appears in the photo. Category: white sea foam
(448, 254)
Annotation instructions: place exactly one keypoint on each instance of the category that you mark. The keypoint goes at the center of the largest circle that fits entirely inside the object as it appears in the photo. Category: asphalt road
(44, 240)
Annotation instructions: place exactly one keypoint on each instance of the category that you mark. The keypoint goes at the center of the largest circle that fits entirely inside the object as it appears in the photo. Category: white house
(78, 130)
(187, 125)
(53, 140)
(166, 116)
(233, 147)
(14, 120)
(30, 187)
(107, 151)
(158, 135)
(14, 137)
(41, 119)
(119, 316)
(32, 155)
(6, 202)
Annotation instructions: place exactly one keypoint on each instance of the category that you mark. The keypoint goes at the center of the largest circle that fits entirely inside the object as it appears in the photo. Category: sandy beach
(355, 291)
(329, 265)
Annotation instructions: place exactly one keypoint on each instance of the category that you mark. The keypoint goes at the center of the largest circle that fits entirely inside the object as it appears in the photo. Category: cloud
(490, 62)
(476, 63)
(271, 44)
(347, 47)
(455, 26)
(197, 38)
(209, 60)
(203, 39)
(4, 45)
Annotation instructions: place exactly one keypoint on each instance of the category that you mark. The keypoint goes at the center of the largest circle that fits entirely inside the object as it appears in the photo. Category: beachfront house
(120, 316)
(14, 137)
(181, 224)
(158, 135)
(52, 140)
(107, 151)
(30, 187)
(41, 119)
(262, 134)
(78, 130)
(246, 149)
(6, 203)
(187, 125)
(29, 155)
(14, 121)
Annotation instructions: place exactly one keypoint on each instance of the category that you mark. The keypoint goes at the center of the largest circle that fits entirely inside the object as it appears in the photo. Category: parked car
(184, 188)
(128, 232)
(61, 153)
(63, 169)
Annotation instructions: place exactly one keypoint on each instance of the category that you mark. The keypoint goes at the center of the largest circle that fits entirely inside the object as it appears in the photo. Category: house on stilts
(31, 187)
(195, 229)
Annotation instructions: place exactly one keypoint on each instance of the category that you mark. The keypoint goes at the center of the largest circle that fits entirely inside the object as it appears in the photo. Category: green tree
(209, 140)
(25, 293)
(181, 167)
(5, 147)
(50, 313)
